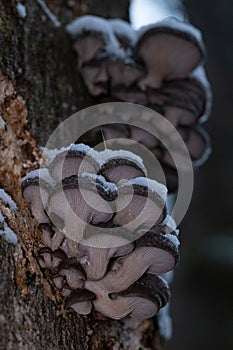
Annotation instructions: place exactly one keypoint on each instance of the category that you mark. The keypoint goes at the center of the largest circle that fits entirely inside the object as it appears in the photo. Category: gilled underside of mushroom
(157, 67)
(101, 263)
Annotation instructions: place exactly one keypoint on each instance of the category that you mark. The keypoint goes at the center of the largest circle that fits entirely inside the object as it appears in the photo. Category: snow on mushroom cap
(177, 25)
(108, 154)
(153, 185)
(94, 24)
(123, 29)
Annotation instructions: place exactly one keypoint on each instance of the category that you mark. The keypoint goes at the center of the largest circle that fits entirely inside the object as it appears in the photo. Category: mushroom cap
(101, 245)
(117, 169)
(124, 72)
(92, 34)
(129, 94)
(80, 301)
(151, 287)
(76, 201)
(77, 160)
(125, 34)
(51, 236)
(50, 259)
(140, 203)
(95, 76)
(36, 191)
(170, 49)
(73, 273)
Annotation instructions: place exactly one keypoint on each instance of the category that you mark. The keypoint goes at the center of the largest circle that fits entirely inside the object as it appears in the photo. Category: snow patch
(123, 29)
(165, 322)
(6, 198)
(6, 231)
(22, 11)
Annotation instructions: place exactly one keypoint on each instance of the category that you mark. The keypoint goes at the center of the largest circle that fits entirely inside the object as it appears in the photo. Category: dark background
(202, 302)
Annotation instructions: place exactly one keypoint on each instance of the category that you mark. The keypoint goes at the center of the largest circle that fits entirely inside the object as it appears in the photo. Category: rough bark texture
(40, 87)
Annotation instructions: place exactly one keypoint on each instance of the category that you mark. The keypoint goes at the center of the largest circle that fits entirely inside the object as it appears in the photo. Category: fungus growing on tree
(95, 257)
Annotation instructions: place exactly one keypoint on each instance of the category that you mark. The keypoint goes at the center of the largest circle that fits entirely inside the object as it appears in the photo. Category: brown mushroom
(170, 49)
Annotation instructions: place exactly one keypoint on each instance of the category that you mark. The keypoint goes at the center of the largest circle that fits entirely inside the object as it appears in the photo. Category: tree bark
(39, 88)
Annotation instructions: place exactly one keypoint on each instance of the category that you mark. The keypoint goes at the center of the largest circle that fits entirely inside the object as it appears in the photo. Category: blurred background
(202, 291)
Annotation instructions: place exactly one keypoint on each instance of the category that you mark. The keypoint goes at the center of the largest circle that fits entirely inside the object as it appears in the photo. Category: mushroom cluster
(160, 66)
(105, 231)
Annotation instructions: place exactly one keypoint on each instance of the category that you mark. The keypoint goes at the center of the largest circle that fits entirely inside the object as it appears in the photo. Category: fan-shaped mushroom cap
(92, 34)
(125, 34)
(120, 165)
(78, 159)
(153, 254)
(100, 245)
(170, 49)
(140, 203)
(80, 301)
(78, 202)
(141, 300)
(36, 191)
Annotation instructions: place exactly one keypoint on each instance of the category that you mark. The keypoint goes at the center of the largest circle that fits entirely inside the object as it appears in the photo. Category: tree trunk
(39, 88)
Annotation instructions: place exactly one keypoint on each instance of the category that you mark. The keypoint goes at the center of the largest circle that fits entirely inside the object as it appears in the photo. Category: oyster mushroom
(124, 72)
(77, 203)
(99, 246)
(116, 166)
(141, 300)
(36, 191)
(73, 273)
(125, 34)
(170, 49)
(140, 203)
(152, 254)
(129, 94)
(78, 159)
(50, 259)
(80, 301)
(95, 76)
(51, 236)
(91, 35)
